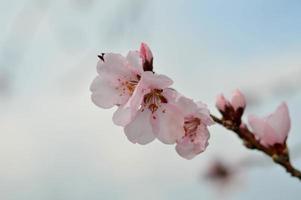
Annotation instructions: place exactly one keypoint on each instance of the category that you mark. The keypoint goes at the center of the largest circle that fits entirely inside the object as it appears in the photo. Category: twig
(279, 153)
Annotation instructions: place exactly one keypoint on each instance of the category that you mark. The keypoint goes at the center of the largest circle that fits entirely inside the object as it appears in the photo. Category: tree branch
(279, 153)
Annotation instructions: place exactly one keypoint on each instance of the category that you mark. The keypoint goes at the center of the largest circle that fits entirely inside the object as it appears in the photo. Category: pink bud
(238, 100)
(146, 53)
(221, 102)
(272, 129)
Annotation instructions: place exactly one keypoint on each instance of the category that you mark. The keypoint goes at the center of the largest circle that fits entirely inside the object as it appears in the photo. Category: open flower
(196, 120)
(158, 116)
(117, 79)
(272, 129)
(117, 82)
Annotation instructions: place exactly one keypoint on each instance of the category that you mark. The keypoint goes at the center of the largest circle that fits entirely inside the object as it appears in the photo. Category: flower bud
(221, 103)
(272, 129)
(238, 100)
(147, 57)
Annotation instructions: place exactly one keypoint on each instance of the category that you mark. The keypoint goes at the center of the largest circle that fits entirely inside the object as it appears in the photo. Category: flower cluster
(147, 106)
(148, 109)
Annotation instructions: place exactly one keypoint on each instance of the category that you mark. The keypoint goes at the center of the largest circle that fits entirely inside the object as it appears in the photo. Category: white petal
(140, 130)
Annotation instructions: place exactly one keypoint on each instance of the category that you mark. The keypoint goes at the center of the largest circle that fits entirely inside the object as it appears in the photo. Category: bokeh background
(56, 145)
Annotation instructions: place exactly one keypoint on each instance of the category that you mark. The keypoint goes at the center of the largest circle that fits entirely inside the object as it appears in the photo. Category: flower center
(131, 85)
(190, 126)
(154, 99)
(127, 86)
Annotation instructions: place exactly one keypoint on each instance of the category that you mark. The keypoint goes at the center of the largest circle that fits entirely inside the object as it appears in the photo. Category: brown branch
(279, 153)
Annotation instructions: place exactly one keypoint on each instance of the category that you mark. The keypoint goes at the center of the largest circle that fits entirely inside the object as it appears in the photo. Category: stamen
(190, 126)
(154, 99)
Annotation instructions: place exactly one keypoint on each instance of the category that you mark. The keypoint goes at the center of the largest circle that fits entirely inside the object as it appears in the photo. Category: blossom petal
(146, 53)
(280, 121)
(204, 114)
(125, 113)
(135, 61)
(113, 67)
(122, 116)
(185, 149)
(263, 131)
(168, 124)
(221, 102)
(186, 105)
(188, 149)
(238, 100)
(152, 80)
(140, 130)
(104, 94)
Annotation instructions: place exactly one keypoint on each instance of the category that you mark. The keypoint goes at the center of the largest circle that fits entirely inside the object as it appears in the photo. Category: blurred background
(55, 144)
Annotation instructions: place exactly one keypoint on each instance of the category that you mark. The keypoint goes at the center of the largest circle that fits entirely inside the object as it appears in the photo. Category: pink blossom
(237, 101)
(272, 129)
(117, 79)
(196, 120)
(158, 116)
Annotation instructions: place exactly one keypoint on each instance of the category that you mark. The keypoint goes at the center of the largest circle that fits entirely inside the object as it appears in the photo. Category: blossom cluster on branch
(148, 108)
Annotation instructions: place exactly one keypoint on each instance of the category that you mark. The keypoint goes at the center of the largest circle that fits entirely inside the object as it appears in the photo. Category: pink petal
(204, 114)
(280, 121)
(188, 149)
(201, 139)
(145, 53)
(122, 116)
(168, 124)
(155, 81)
(170, 94)
(221, 102)
(140, 130)
(125, 113)
(238, 100)
(104, 94)
(135, 61)
(187, 105)
(185, 149)
(197, 109)
(113, 67)
(263, 131)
